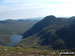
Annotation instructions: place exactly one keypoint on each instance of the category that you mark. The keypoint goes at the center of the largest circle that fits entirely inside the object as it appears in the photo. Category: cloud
(23, 4)
(31, 8)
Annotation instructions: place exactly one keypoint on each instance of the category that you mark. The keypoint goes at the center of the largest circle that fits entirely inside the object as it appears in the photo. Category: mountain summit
(40, 25)
(51, 32)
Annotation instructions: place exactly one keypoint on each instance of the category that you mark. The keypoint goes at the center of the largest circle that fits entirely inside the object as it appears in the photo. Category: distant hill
(51, 33)
(9, 27)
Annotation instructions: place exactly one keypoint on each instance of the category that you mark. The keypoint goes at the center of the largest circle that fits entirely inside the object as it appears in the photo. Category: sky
(17, 9)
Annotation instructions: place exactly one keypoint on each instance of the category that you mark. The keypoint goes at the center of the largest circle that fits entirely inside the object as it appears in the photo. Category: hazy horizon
(16, 9)
(33, 18)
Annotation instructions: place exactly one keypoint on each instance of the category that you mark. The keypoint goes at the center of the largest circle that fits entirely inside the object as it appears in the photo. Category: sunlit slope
(9, 27)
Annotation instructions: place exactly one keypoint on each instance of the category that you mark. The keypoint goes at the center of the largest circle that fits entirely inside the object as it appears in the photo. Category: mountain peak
(40, 25)
(73, 17)
(55, 33)
(50, 17)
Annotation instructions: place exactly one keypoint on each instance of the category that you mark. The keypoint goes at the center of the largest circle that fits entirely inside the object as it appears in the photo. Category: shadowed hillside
(51, 32)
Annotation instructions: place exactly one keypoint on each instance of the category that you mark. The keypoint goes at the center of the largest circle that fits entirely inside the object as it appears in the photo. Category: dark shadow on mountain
(39, 26)
(68, 36)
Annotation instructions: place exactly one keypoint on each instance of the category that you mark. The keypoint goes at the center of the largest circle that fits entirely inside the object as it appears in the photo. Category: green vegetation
(45, 38)
(51, 33)
(9, 27)
(17, 51)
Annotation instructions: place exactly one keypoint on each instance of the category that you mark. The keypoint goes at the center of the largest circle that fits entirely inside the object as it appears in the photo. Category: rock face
(52, 32)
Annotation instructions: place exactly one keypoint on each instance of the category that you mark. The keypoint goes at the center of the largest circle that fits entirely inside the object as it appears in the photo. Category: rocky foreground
(13, 51)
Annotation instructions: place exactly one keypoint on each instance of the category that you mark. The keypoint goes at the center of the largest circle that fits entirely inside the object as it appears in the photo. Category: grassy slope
(16, 51)
(7, 28)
